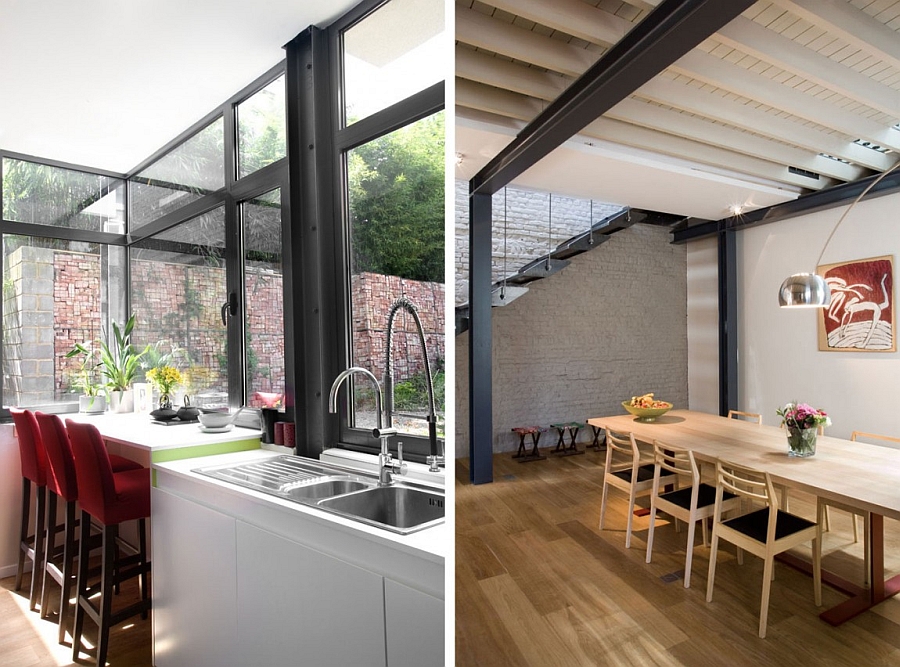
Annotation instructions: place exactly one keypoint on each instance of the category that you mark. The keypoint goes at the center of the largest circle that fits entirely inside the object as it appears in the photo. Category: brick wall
(378, 292)
(527, 229)
(611, 325)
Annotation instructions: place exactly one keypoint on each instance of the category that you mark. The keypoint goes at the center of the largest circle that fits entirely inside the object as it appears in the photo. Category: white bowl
(215, 419)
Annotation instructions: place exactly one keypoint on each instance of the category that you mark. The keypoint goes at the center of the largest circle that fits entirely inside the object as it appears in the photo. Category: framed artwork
(143, 398)
(860, 316)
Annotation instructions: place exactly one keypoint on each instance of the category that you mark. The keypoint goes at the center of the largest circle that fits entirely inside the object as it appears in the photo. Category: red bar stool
(62, 483)
(34, 470)
(110, 498)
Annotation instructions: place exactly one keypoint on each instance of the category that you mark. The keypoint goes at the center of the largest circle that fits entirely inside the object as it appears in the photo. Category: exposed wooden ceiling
(791, 97)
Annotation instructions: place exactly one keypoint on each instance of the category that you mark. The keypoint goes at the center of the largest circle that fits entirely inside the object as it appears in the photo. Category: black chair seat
(706, 496)
(645, 472)
(755, 524)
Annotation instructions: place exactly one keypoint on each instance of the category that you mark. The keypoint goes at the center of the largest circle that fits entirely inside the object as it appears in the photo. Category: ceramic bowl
(646, 414)
(215, 419)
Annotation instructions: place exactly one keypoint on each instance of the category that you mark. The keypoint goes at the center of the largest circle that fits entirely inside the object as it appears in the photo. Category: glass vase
(801, 441)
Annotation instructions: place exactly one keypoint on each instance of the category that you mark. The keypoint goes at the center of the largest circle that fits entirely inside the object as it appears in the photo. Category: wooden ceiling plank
(704, 131)
(696, 100)
(482, 31)
(477, 66)
(751, 38)
(726, 75)
(574, 17)
(850, 24)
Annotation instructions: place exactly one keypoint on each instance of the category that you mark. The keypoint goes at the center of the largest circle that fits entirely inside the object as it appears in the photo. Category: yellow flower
(165, 378)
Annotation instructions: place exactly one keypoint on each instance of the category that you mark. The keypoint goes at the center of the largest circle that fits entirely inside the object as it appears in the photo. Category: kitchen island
(242, 577)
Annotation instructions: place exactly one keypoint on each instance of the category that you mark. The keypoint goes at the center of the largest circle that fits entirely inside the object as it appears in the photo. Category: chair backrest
(749, 483)
(677, 460)
(621, 451)
(96, 487)
(31, 447)
(61, 461)
(745, 416)
(883, 440)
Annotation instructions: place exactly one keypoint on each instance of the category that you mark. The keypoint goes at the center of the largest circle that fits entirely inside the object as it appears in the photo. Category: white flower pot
(92, 405)
(121, 401)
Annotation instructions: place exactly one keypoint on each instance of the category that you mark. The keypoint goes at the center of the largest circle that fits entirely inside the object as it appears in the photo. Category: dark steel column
(310, 301)
(481, 465)
(728, 343)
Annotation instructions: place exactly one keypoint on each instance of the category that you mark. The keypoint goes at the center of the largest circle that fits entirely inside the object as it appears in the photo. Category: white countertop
(432, 543)
(139, 431)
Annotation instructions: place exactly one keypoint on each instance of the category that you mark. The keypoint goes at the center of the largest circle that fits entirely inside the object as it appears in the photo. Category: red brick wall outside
(76, 310)
(372, 296)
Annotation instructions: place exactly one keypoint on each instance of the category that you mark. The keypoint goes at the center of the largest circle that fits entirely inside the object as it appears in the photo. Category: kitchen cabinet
(314, 609)
(240, 578)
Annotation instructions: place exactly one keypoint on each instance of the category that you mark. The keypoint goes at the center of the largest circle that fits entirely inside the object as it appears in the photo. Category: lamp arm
(850, 208)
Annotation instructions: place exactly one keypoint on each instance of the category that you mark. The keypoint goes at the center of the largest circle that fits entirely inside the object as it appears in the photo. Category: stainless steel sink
(401, 508)
(325, 489)
(398, 508)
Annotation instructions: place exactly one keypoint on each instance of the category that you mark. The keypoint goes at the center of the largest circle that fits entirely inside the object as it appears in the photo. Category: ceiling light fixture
(809, 290)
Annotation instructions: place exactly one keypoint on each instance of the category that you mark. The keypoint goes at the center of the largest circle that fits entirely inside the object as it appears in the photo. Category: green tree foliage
(397, 202)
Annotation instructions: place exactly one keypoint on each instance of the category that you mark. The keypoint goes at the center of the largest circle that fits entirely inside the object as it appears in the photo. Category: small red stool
(535, 433)
(110, 498)
(572, 429)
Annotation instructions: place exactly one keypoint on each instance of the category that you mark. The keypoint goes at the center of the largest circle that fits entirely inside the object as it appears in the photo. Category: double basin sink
(401, 508)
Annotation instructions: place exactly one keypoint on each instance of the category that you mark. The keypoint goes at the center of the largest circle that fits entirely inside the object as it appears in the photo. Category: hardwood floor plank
(584, 591)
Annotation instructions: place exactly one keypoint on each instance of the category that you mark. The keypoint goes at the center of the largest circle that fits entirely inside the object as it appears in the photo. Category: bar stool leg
(49, 548)
(37, 565)
(68, 566)
(23, 532)
(106, 590)
(143, 581)
(81, 585)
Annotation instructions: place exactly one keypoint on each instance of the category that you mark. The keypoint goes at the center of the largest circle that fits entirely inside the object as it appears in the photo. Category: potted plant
(93, 396)
(120, 360)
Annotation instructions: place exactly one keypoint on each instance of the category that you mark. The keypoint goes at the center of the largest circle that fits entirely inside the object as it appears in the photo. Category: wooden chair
(628, 471)
(824, 503)
(745, 416)
(691, 501)
(763, 532)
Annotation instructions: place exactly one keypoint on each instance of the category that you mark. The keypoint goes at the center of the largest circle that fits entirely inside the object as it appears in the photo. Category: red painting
(860, 316)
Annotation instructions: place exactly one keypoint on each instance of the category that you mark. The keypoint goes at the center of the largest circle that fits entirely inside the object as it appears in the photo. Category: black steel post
(481, 468)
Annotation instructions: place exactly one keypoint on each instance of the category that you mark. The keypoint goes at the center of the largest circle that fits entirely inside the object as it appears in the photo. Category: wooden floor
(28, 641)
(538, 584)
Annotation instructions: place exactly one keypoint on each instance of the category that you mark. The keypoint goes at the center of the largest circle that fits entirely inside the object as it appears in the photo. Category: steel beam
(481, 449)
(669, 32)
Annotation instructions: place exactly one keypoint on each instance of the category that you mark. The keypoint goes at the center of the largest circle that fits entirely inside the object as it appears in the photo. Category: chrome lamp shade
(804, 290)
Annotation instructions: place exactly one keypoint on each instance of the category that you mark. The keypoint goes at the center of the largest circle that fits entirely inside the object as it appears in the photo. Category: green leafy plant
(121, 360)
(86, 378)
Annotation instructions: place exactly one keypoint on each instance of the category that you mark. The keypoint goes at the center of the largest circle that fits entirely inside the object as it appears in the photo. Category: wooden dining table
(854, 473)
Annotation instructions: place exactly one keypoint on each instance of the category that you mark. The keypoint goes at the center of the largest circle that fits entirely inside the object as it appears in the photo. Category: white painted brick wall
(610, 326)
(528, 233)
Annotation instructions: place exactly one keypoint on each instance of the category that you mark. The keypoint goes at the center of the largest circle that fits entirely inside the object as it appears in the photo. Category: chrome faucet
(433, 459)
(386, 465)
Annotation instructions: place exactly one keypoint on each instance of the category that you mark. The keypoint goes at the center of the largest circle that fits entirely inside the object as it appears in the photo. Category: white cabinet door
(194, 583)
(415, 627)
(297, 606)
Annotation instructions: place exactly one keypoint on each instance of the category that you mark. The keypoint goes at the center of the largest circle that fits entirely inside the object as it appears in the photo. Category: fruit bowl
(646, 414)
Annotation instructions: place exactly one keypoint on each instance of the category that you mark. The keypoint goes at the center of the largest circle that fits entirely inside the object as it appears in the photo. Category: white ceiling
(106, 83)
(783, 85)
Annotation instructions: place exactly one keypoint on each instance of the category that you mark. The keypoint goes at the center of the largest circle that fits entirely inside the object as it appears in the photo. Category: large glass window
(186, 173)
(177, 288)
(263, 300)
(51, 301)
(261, 128)
(392, 53)
(47, 195)
(396, 204)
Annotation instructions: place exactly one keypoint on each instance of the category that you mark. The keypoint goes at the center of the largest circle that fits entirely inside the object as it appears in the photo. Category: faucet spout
(339, 380)
(403, 303)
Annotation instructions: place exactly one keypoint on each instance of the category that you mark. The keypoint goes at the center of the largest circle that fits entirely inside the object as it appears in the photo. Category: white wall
(10, 500)
(703, 325)
(778, 350)
(608, 327)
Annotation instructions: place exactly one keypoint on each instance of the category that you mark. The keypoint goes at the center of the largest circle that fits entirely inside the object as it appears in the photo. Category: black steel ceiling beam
(839, 195)
(666, 34)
